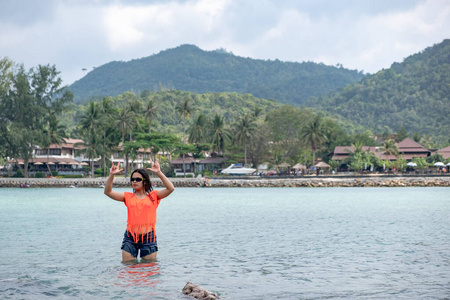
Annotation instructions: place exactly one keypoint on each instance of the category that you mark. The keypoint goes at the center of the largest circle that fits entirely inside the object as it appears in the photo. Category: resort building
(184, 165)
(342, 152)
(445, 152)
(137, 160)
(191, 165)
(212, 162)
(56, 158)
(407, 148)
(68, 159)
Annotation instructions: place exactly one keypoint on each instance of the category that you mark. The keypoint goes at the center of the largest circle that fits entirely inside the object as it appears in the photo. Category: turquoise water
(242, 243)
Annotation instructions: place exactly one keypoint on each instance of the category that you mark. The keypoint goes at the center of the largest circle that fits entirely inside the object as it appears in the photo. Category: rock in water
(198, 292)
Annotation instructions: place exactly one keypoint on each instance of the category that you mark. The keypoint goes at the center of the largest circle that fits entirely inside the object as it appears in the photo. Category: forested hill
(188, 68)
(414, 94)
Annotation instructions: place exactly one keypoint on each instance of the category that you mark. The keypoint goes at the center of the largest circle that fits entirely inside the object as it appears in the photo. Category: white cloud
(360, 41)
(363, 35)
(137, 26)
(125, 25)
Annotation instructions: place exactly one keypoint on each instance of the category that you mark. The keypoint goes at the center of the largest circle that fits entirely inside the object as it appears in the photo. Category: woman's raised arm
(109, 183)
(167, 183)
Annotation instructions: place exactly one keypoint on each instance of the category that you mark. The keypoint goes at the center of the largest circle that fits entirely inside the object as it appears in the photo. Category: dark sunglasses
(137, 179)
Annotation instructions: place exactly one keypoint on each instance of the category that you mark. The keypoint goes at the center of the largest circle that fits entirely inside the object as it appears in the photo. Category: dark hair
(146, 183)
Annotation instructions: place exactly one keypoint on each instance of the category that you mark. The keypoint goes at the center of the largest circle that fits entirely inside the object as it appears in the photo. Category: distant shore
(306, 181)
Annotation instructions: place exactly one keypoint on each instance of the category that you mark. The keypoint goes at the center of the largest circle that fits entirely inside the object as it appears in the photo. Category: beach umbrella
(84, 164)
(299, 166)
(439, 164)
(284, 165)
(322, 164)
(411, 164)
(263, 166)
(38, 163)
(448, 164)
(50, 163)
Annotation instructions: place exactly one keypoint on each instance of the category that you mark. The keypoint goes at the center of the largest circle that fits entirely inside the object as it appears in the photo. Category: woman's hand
(109, 183)
(115, 169)
(167, 183)
(155, 167)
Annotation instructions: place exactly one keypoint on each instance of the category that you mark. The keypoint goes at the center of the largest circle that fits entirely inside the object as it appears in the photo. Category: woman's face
(137, 185)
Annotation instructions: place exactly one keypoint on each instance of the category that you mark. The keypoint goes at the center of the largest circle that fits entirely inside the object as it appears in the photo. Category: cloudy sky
(366, 35)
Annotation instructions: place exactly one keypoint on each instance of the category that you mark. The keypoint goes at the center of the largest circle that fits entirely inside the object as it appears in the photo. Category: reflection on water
(139, 274)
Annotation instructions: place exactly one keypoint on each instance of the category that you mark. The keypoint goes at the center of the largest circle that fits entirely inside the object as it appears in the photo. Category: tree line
(35, 111)
(243, 128)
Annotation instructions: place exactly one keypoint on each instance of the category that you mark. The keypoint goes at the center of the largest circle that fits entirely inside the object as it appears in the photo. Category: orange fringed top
(141, 214)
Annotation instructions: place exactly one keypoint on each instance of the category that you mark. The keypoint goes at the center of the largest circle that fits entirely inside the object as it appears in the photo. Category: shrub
(70, 176)
(207, 173)
(168, 170)
(54, 173)
(40, 175)
(18, 174)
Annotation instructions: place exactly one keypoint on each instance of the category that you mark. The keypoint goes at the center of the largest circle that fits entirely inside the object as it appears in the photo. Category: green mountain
(188, 68)
(413, 94)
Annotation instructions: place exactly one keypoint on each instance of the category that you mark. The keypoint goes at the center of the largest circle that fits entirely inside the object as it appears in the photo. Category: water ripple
(240, 243)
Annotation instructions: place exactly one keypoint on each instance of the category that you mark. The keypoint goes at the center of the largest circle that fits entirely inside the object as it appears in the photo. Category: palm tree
(314, 135)
(427, 142)
(244, 130)
(93, 147)
(278, 153)
(390, 147)
(257, 111)
(94, 121)
(54, 134)
(150, 112)
(92, 118)
(197, 135)
(358, 147)
(125, 122)
(184, 109)
(218, 134)
(108, 128)
(416, 137)
(197, 130)
(359, 159)
(135, 106)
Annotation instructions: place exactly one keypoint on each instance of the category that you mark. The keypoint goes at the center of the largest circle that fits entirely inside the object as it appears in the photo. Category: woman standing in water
(141, 205)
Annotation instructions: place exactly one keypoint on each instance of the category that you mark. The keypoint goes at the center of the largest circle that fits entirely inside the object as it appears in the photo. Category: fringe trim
(138, 231)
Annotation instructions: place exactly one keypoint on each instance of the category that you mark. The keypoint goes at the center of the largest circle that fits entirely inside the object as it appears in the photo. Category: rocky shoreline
(307, 181)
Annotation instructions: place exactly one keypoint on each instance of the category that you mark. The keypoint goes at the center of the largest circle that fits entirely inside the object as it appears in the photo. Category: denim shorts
(146, 244)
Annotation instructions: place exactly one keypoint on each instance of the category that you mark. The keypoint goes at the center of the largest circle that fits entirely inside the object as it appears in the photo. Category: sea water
(241, 243)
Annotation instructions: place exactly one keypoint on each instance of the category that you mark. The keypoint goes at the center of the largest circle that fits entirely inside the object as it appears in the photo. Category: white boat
(237, 169)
